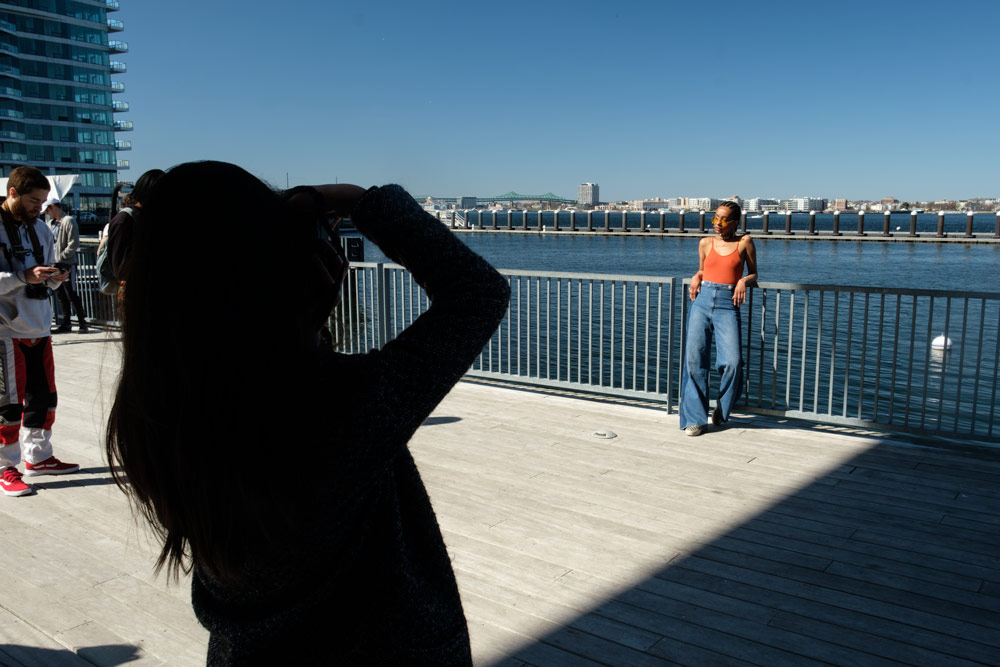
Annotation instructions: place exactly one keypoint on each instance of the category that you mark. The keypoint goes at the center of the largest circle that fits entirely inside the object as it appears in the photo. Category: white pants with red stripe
(28, 393)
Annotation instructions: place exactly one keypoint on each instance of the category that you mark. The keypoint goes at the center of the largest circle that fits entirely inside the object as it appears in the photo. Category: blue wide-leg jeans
(712, 312)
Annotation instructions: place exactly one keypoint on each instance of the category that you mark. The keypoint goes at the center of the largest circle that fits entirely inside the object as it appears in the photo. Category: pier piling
(701, 222)
(886, 222)
(767, 222)
(812, 222)
(940, 230)
(680, 224)
(861, 223)
(663, 222)
(743, 222)
(968, 225)
(913, 223)
(836, 223)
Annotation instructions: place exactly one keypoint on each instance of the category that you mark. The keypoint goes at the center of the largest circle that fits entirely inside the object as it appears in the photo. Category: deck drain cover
(605, 433)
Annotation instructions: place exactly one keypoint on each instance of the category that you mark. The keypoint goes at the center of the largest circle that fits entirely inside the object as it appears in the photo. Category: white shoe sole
(36, 473)
(18, 493)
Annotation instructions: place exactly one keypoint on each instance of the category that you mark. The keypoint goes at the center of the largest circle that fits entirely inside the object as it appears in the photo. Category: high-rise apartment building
(58, 106)
(589, 194)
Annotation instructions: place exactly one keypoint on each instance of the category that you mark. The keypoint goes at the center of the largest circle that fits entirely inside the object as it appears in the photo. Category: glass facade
(59, 108)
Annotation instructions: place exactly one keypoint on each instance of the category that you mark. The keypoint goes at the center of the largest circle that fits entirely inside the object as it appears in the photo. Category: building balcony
(10, 70)
(9, 92)
(12, 135)
(7, 26)
(117, 46)
(118, 105)
(117, 67)
(14, 157)
(112, 5)
(117, 87)
(123, 164)
(114, 25)
(11, 113)
(8, 48)
(123, 145)
(123, 126)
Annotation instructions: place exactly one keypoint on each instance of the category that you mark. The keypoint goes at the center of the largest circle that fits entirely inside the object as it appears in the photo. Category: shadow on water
(891, 556)
(107, 655)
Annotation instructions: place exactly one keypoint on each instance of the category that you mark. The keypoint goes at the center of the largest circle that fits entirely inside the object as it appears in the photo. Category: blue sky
(828, 99)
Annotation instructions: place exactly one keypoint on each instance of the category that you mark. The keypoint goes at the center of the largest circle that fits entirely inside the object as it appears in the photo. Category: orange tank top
(723, 269)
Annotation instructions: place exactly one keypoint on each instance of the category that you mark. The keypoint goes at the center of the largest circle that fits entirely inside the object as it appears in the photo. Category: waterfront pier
(769, 542)
(879, 228)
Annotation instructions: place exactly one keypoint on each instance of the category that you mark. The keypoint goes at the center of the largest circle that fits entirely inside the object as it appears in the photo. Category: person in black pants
(67, 236)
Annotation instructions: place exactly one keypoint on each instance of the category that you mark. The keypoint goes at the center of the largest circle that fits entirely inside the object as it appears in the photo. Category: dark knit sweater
(362, 575)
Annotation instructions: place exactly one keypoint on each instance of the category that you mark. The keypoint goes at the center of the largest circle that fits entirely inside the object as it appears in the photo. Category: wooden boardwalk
(767, 543)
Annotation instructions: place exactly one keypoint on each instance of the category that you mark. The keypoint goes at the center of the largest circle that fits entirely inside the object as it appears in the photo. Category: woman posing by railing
(718, 290)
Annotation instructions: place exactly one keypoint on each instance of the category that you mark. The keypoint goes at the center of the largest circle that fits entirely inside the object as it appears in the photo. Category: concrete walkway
(766, 543)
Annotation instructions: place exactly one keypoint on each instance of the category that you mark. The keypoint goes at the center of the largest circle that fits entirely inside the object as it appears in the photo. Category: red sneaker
(50, 466)
(11, 484)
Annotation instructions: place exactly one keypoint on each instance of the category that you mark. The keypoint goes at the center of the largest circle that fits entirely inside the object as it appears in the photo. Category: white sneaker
(693, 430)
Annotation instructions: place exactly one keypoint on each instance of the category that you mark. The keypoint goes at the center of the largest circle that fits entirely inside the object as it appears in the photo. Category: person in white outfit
(27, 372)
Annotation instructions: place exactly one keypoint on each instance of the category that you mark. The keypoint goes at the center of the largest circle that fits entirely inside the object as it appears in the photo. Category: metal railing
(860, 356)
(906, 359)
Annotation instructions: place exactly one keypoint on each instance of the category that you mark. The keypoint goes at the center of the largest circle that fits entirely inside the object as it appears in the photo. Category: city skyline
(851, 100)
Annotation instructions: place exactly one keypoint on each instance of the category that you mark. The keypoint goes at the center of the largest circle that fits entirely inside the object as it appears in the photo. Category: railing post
(382, 303)
(836, 223)
(767, 222)
(663, 223)
(524, 220)
(510, 219)
(996, 231)
(968, 224)
(607, 221)
(913, 223)
(701, 222)
(680, 224)
(625, 221)
(555, 221)
(572, 221)
(642, 222)
(494, 218)
(590, 221)
(743, 222)
(940, 227)
(812, 223)
(788, 222)
(886, 222)
(861, 223)
(453, 219)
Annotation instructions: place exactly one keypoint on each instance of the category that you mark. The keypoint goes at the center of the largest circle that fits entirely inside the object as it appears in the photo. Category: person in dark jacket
(278, 468)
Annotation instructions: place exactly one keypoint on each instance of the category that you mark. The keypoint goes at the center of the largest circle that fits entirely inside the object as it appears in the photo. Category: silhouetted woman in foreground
(278, 469)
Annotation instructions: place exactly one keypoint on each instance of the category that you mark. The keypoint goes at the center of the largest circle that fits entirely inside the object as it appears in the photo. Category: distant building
(589, 194)
(840, 204)
(466, 202)
(703, 203)
(57, 110)
(650, 204)
(676, 202)
(804, 204)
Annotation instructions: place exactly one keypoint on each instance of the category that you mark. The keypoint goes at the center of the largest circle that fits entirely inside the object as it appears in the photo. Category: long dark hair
(213, 338)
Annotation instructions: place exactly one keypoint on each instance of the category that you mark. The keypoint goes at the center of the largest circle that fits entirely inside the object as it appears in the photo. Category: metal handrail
(838, 354)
